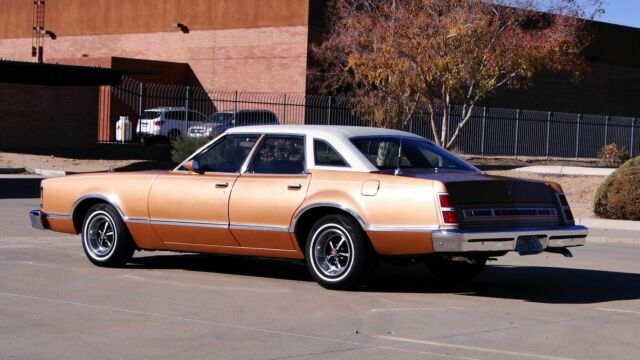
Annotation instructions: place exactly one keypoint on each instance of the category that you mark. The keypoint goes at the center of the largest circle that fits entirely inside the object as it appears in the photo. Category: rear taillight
(448, 212)
(158, 122)
(566, 209)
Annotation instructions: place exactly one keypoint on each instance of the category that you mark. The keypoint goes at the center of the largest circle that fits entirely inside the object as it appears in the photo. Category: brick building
(263, 45)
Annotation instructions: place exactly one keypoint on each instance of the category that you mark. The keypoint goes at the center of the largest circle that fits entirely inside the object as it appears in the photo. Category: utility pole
(39, 32)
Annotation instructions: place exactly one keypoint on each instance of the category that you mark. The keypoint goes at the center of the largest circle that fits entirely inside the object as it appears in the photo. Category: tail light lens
(449, 217)
(563, 200)
(158, 122)
(445, 202)
(448, 212)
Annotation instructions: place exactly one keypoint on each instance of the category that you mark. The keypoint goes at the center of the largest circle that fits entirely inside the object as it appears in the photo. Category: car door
(267, 194)
(193, 208)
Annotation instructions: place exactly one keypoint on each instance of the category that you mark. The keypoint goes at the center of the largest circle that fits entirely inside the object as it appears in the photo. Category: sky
(622, 12)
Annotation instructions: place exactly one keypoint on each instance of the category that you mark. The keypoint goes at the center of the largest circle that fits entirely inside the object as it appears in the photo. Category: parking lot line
(240, 327)
(471, 348)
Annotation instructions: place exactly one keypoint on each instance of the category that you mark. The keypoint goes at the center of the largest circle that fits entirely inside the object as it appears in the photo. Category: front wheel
(338, 252)
(455, 271)
(105, 238)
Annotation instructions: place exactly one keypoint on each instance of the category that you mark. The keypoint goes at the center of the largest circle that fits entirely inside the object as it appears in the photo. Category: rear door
(265, 197)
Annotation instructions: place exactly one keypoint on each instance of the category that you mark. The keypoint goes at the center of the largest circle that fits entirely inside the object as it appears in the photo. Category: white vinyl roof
(337, 136)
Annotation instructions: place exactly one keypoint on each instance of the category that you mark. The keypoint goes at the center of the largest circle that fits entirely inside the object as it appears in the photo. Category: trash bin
(123, 129)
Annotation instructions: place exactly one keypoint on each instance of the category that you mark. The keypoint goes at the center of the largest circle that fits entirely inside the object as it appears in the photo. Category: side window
(228, 154)
(279, 155)
(325, 155)
(174, 115)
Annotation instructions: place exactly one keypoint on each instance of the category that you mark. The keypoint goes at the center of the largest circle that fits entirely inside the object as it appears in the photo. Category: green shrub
(613, 155)
(619, 195)
(183, 147)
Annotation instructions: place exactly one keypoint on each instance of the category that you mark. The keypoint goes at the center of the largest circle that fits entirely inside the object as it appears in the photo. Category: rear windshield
(147, 114)
(382, 152)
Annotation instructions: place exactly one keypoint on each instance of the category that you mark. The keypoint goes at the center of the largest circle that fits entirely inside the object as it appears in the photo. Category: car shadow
(535, 284)
(234, 265)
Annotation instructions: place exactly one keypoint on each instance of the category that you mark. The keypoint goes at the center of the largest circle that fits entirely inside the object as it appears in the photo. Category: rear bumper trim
(38, 219)
(456, 241)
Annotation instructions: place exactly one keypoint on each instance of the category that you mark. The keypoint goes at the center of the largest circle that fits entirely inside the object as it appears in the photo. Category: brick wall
(255, 59)
(68, 119)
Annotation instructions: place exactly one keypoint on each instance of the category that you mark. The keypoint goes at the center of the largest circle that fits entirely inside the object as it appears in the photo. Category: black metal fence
(489, 132)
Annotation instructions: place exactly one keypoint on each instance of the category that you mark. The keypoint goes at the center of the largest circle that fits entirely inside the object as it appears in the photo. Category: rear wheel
(338, 252)
(105, 238)
(454, 271)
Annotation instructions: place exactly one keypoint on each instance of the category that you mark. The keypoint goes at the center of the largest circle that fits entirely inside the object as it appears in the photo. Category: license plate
(528, 245)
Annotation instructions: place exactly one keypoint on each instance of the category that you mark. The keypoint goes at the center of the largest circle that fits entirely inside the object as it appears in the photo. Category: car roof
(324, 131)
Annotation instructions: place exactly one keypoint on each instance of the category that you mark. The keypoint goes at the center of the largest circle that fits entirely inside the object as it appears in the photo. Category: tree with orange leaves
(396, 57)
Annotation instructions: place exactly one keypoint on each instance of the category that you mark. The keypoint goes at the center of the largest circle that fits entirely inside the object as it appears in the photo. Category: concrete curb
(607, 224)
(47, 173)
(567, 170)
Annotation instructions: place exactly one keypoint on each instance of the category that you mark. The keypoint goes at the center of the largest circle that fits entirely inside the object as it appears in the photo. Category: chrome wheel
(100, 235)
(332, 250)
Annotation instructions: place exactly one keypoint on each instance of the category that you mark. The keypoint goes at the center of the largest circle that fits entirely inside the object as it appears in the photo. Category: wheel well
(81, 210)
(305, 222)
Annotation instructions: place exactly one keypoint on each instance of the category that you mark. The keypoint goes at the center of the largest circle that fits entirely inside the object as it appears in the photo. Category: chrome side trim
(96, 196)
(303, 210)
(135, 220)
(365, 226)
(57, 215)
(417, 228)
(204, 224)
(258, 227)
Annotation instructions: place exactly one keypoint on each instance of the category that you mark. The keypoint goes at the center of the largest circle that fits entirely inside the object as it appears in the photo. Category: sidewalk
(567, 170)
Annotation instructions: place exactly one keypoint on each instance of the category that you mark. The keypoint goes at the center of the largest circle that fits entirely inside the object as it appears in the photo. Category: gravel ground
(580, 190)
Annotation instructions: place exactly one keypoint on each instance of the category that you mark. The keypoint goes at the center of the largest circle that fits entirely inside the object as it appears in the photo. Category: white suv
(167, 122)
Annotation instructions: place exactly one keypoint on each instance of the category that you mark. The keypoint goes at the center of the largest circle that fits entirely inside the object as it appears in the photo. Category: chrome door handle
(222, 184)
(294, 187)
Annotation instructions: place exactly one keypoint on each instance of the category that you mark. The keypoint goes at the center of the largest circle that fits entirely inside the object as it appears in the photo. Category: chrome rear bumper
(38, 219)
(455, 241)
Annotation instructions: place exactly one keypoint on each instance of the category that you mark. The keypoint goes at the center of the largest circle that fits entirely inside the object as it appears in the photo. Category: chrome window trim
(256, 227)
(213, 142)
(347, 165)
(189, 223)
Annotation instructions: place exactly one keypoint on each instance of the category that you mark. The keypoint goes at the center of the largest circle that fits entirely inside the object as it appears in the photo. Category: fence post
(235, 106)
(329, 112)
(606, 129)
(140, 97)
(186, 108)
(484, 120)
(549, 116)
(515, 148)
(284, 110)
(633, 124)
(578, 134)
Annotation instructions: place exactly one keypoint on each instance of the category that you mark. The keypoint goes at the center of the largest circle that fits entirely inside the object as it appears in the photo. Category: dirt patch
(580, 190)
(495, 162)
(50, 162)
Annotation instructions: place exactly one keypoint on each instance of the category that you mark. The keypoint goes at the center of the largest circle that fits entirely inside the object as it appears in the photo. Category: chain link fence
(163, 111)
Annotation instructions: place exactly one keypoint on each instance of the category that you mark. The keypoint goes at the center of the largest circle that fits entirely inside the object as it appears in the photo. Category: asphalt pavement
(54, 304)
